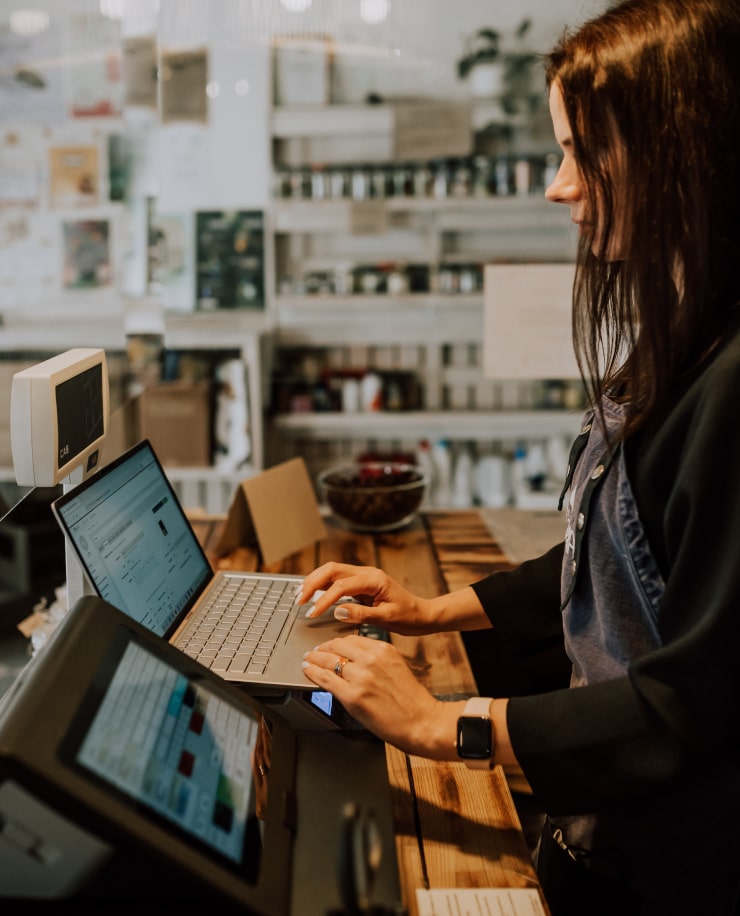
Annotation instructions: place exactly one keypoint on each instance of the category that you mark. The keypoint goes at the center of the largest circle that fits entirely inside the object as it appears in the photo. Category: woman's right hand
(379, 600)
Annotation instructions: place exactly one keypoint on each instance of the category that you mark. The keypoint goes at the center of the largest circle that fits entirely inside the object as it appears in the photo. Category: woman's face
(567, 186)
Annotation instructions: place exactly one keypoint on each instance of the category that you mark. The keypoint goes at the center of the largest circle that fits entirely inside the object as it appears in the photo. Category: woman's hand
(373, 682)
(383, 602)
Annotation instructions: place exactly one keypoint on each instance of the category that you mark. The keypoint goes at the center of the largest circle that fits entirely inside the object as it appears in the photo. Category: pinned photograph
(73, 176)
(87, 257)
(184, 78)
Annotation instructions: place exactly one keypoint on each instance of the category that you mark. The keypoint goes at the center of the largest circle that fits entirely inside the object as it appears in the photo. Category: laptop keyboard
(240, 624)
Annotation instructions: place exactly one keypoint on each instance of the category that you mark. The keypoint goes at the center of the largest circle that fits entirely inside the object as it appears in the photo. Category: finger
(348, 583)
(320, 579)
(358, 649)
(353, 645)
(352, 600)
(321, 675)
(337, 645)
(328, 659)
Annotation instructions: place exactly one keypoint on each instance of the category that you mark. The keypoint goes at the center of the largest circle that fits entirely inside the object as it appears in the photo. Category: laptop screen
(135, 541)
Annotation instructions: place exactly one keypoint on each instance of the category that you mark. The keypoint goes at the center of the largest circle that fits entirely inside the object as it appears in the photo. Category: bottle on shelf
(536, 467)
(442, 459)
(371, 391)
(462, 479)
(493, 481)
(426, 462)
(519, 472)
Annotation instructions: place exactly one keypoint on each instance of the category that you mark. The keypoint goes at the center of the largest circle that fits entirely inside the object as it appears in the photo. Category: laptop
(141, 554)
(130, 772)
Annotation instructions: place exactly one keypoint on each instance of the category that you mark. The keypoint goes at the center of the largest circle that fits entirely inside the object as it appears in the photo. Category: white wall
(413, 52)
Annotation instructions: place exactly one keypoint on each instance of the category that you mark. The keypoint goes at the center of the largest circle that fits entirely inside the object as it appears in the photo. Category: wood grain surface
(455, 827)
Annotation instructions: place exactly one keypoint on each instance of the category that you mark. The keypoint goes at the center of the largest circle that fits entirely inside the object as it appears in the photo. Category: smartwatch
(475, 742)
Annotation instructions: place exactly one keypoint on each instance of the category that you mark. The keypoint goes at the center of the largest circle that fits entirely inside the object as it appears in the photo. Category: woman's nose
(565, 187)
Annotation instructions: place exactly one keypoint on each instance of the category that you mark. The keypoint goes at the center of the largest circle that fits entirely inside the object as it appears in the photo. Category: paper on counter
(480, 901)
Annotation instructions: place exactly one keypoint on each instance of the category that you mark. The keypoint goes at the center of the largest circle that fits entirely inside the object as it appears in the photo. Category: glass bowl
(374, 496)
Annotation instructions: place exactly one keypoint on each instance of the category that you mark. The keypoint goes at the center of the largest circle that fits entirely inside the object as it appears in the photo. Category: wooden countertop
(455, 827)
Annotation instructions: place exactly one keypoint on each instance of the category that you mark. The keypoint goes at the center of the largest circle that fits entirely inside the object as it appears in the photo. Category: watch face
(474, 738)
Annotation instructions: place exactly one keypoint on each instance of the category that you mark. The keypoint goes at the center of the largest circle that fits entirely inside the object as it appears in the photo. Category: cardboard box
(177, 418)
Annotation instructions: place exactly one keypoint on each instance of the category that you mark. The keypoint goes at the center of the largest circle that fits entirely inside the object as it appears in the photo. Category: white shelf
(436, 337)
(327, 302)
(289, 122)
(458, 214)
(423, 424)
(298, 122)
(379, 320)
(55, 336)
(221, 329)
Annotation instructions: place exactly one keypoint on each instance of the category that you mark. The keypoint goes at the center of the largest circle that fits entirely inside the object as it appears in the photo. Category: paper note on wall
(527, 321)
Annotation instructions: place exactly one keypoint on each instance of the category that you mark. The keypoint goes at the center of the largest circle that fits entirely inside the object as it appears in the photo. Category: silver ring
(339, 667)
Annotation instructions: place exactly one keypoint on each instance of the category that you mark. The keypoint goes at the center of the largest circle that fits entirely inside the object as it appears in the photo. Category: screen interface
(80, 415)
(135, 541)
(177, 749)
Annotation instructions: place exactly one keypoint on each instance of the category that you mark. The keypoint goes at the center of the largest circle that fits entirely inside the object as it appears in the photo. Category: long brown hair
(665, 76)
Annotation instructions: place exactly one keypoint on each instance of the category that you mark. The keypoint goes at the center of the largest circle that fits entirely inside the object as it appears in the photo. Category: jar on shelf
(350, 394)
(360, 183)
(338, 183)
(448, 279)
(371, 391)
(367, 280)
(441, 180)
(461, 180)
(433, 278)
(343, 280)
(422, 178)
(379, 182)
(319, 182)
(418, 276)
(281, 183)
(502, 177)
(299, 183)
(468, 278)
(522, 176)
(397, 281)
(481, 176)
(552, 164)
(401, 181)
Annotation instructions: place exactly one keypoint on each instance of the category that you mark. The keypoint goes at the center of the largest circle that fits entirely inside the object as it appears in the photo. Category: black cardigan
(676, 715)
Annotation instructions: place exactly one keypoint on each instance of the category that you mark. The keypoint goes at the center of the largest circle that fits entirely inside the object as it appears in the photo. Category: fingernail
(341, 613)
(299, 595)
(305, 664)
(309, 612)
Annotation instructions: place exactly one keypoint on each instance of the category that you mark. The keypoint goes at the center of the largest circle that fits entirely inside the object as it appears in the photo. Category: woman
(636, 760)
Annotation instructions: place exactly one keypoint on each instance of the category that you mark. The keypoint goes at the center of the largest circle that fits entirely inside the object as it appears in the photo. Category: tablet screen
(176, 748)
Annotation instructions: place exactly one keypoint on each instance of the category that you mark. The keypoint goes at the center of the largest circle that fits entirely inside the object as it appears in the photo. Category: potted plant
(518, 76)
(483, 64)
(493, 71)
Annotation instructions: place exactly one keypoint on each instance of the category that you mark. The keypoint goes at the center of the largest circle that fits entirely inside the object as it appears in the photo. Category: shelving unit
(466, 425)
(434, 332)
(27, 342)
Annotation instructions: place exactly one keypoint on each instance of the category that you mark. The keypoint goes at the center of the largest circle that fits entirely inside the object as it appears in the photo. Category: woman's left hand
(373, 682)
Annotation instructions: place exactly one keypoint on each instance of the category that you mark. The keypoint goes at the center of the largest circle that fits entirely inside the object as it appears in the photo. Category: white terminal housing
(59, 412)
